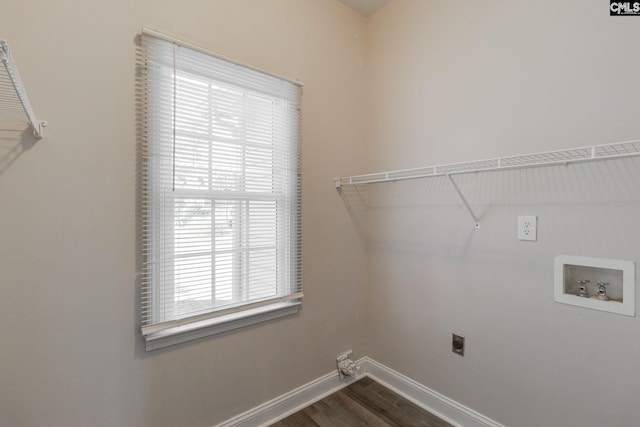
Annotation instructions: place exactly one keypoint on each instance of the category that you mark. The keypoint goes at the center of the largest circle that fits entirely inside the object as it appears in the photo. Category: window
(221, 193)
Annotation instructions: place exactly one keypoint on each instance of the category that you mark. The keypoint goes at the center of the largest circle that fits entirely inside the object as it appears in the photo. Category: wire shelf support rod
(20, 93)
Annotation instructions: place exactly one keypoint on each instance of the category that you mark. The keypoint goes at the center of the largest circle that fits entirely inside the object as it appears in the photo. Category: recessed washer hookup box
(595, 283)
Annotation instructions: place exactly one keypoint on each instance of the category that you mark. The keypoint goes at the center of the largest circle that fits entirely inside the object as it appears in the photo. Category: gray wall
(460, 81)
(419, 83)
(70, 350)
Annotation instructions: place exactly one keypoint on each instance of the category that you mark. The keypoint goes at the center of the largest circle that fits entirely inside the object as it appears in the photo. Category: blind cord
(173, 178)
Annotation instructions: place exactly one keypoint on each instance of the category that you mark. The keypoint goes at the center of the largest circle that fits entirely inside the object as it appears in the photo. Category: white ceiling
(365, 7)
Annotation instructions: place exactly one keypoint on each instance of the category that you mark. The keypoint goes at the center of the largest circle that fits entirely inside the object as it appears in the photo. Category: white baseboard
(448, 409)
(288, 403)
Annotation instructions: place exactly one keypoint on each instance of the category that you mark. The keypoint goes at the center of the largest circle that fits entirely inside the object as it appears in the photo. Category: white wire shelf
(14, 104)
(548, 158)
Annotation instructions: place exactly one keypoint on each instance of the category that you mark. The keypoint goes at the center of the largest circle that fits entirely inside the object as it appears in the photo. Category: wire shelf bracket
(464, 200)
(614, 150)
(14, 102)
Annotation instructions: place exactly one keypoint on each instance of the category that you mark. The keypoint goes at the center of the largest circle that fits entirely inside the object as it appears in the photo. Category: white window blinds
(221, 187)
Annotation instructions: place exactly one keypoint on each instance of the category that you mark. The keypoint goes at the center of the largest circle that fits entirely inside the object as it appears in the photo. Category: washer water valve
(347, 368)
(602, 291)
(583, 290)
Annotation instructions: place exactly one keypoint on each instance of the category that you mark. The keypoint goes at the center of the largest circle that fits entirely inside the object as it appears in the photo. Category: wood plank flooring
(363, 403)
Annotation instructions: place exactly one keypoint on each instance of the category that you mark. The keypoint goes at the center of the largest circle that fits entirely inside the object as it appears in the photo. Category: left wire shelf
(15, 107)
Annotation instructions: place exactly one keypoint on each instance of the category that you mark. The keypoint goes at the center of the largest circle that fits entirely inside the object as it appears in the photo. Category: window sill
(218, 325)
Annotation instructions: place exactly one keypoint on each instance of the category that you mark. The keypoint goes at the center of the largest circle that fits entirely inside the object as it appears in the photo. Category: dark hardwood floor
(363, 403)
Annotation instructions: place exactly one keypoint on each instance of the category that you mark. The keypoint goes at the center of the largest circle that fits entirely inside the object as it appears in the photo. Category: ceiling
(365, 7)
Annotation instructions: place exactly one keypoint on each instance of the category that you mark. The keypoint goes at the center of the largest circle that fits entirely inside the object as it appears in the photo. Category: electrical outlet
(457, 344)
(528, 228)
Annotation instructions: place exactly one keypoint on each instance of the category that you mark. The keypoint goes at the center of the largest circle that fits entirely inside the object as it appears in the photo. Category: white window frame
(160, 329)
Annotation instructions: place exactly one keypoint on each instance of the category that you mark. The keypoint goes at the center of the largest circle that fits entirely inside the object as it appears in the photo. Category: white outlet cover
(528, 228)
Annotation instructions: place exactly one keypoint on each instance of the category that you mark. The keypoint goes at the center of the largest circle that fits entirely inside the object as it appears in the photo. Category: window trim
(219, 324)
